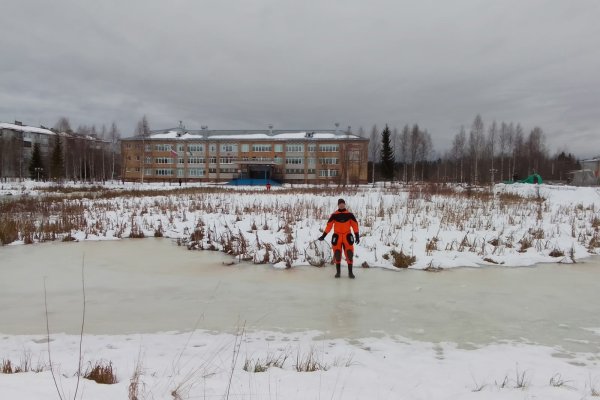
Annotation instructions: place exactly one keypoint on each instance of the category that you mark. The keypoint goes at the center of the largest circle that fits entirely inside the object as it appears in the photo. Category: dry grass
(135, 382)
(242, 220)
(101, 372)
(309, 362)
(262, 365)
(25, 365)
(557, 253)
(399, 259)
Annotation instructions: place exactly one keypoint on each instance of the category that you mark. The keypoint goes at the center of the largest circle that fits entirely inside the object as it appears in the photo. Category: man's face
(341, 206)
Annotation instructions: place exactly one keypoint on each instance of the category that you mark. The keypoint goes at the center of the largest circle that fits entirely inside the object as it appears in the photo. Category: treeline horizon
(479, 154)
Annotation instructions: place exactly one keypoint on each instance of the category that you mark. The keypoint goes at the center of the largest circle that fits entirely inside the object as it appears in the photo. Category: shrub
(401, 260)
(557, 253)
(101, 372)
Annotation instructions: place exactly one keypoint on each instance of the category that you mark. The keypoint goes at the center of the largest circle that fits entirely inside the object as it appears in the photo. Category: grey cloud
(240, 64)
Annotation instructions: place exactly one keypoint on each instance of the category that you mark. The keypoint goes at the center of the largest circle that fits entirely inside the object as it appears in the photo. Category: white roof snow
(266, 136)
(33, 129)
(175, 135)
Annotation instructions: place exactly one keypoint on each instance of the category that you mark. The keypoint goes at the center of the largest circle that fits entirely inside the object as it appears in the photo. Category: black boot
(337, 269)
(350, 274)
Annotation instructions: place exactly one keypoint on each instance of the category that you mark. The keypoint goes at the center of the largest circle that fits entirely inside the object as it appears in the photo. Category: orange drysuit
(342, 241)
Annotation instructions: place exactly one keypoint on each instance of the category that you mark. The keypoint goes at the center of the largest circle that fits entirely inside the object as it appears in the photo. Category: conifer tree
(56, 166)
(36, 166)
(387, 155)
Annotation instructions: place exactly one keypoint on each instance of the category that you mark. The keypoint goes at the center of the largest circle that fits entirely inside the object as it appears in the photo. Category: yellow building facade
(180, 155)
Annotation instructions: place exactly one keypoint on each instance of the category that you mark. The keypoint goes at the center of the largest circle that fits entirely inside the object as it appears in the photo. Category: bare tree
(492, 139)
(374, 149)
(476, 144)
(503, 143)
(396, 148)
(404, 143)
(114, 136)
(518, 150)
(424, 150)
(536, 145)
(413, 149)
(458, 150)
(142, 127)
(63, 125)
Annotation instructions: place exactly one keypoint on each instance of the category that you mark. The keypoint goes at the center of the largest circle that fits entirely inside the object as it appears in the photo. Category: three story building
(293, 156)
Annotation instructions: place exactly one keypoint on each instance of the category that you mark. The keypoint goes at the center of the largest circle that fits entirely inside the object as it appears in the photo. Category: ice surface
(385, 335)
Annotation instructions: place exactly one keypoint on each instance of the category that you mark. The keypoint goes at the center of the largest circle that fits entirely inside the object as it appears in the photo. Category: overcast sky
(306, 64)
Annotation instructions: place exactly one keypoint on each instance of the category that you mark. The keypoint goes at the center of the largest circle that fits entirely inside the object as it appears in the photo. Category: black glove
(322, 237)
(356, 238)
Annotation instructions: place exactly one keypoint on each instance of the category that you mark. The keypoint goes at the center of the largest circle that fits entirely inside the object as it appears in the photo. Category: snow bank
(205, 365)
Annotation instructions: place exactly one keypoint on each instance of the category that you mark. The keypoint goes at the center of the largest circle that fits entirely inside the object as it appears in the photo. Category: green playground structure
(533, 179)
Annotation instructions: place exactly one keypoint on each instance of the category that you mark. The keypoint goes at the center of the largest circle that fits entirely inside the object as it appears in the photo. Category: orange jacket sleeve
(329, 226)
(354, 224)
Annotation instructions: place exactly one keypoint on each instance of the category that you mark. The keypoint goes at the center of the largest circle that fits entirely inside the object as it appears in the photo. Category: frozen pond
(152, 285)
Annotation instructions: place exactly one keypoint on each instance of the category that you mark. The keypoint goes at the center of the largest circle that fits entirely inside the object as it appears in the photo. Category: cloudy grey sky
(306, 64)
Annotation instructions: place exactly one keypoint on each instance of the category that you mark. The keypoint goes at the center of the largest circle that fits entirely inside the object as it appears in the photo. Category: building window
(278, 148)
(180, 172)
(294, 171)
(311, 171)
(227, 160)
(329, 148)
(164, 172)
(312, 148)
(212, 160)
(196, 160)
(148, 160)
(278, 160)
(212, 148)
(180, 160)
(261, 148)
(128, 146)
(180, 147)
(328, 161)
(148, 172)
(162, 147)
(228, 148)
(196, 172)
(354, 155)
(328, 172)
(227, 170)
(293, 160)
(192, 148)
(163, 160)
(312, 161)
(294, 148)
(148, 147)
(212, 170)
(245, 148)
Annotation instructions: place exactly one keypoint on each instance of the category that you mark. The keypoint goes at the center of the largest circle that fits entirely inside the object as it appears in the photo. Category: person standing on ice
(342, 240)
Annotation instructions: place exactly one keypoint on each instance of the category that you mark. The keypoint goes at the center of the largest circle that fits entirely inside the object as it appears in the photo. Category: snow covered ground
(518, 225)
(204, 365)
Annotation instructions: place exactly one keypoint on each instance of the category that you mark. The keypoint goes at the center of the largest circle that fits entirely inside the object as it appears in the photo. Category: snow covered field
(517, 225)
(442, 227)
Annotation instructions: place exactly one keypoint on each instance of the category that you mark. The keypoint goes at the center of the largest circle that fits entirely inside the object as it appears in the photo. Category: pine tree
(387, 154)
(36, 166)
(56, 166)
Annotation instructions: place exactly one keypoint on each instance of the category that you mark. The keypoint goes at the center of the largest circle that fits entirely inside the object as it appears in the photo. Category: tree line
(480, 155)
(84, 154)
